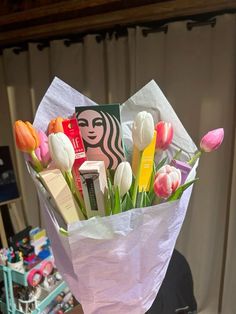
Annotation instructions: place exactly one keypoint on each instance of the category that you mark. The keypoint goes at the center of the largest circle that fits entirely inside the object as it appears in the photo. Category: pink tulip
(164, 135)
(212, 140)
(167, 180)
(42, 152)
(184, 168)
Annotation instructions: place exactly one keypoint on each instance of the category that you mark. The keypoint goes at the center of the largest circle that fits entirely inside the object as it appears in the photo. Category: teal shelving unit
(11, 276)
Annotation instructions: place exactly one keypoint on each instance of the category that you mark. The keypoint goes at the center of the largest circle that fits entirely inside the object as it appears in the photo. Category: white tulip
(62, 151)
(143, 130)
(123, 177)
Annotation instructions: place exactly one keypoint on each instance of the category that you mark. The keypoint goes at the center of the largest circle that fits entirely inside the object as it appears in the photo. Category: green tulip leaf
(178, 193)
(152, 178)
(107, 200)
(151, 193)
(147, 200)
(139, 201)
(161, 163)
(111, 192)
(151, 196)
(132, 185)
(110, 175)
(117, 205)
(143, 199)
(123, 203)
(127, 202)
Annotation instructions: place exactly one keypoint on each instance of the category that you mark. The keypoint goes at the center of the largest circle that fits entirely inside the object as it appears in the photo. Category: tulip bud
(27, 139)
(143, 130)
(55, 125)
(164, 135)
(62, 151)
(42, 152)
(167, 180)
(212, 140)
(123, 177)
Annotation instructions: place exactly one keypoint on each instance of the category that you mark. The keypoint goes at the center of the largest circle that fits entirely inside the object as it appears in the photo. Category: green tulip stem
(69, 179)
(135, 189)
(194, 158)
(77, 195)
(36, 163)
(177, 154)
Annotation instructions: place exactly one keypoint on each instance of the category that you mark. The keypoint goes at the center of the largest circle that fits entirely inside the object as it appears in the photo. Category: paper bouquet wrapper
(116, 264)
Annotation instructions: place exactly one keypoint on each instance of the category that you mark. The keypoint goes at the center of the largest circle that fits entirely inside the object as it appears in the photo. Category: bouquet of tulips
(167, 179)
(115, 263)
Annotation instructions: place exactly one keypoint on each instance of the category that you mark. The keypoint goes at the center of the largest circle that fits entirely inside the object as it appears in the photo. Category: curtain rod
(192, 21)
(117, 32)
(191, 25)
(160, 29)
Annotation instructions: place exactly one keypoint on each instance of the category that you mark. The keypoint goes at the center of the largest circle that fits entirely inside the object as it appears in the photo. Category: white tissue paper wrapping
(116, 264)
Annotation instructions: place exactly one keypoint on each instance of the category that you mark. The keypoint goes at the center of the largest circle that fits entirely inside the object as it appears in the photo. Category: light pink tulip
(167, 180)
(212, 140)
(164, 135)
(42, 152)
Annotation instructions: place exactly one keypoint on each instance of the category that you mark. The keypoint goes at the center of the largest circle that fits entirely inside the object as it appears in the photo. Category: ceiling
(30, 20)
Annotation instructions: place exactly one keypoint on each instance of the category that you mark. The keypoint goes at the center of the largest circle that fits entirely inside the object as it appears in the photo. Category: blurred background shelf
(10, 276)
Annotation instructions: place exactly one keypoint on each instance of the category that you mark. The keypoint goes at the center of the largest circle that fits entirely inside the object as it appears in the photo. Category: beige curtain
(196, 71)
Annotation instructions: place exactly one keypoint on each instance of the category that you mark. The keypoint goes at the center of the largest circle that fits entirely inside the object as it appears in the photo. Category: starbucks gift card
(100, 127)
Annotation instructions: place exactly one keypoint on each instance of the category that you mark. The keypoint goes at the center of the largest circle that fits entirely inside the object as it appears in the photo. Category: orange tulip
(27, 139)
(55, 125)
